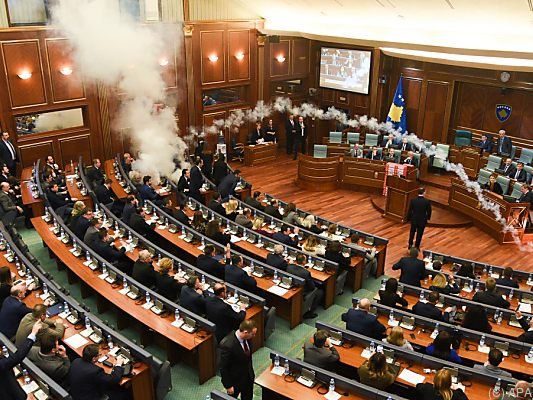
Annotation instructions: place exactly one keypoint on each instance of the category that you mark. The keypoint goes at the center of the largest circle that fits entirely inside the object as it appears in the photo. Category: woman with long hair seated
(309, 224)
(312, 247)
(331, 233)
(442, 285)
(76, 212)
(441, 389)
(442, 348)
(215, 232)
(257, 226)
(476, 319)
(334, 253)
(376, 372)
(231, 209)
(396, 338)
(198, 222)
(492, 185)
(389, 297)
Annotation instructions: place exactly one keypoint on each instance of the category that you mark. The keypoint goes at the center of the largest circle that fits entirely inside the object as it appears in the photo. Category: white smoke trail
(117, 51)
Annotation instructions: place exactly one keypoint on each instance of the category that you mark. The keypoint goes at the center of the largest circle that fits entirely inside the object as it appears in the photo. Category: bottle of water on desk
(110, 343)
(530, 354)
(511, 294)
(436, 330)
(497, 386)
(482, 341)
(500, 318)
(148, 298)
(372, 346)
(275, 279)
(87, 256)
(422, 296)
(5, 353)
(66, 308)
(27, 379)
(87, 323)
(332, 385)
(276, 361)
(45, 288)
(490, 271)
(183, 231)
(477, 287)
(287, 368)
(176, 314)
(391, 317)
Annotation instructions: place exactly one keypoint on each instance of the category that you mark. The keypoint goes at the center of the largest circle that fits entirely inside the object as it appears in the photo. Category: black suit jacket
(290, 128)
(221, 238)
(428, 310)
(216, 207)
(496, 188)
(254, 203)
(404, 146)
(5, 155)
(227, 185)
(95, 175)
(419, 212)
(412, 269)
(56, 200)
(127, 212)
(82, 224)
(192, 300)
(139, 225)
(89, 381)
(492, 299)
(223, 316)
(426, 391)
(183, 184)
(369, 155)
(391, 299)
(210, 266)
(486, 145)
(107, 252)
(511, 169)
(507, 282)
(277, 261)
(144, 273)
(521, 177)
(527, 336)
(527, 197)
(302, 273)
(506, 147)
(285, 239)
(10, 386)
(301, 134)
(196, 181)
(220, 170)
(236, 368)
(273, 212)
(167, 286)
(238, 277)
(256, 135)
(360, 321)
(103, 194)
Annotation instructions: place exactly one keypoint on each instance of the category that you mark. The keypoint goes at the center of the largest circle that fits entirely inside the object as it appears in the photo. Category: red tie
(246, 348)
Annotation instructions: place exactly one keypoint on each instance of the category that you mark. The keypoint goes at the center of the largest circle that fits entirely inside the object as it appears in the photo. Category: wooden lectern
(400, 191)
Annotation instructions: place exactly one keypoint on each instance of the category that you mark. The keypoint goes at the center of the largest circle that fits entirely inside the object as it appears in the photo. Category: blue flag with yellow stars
(397, 115)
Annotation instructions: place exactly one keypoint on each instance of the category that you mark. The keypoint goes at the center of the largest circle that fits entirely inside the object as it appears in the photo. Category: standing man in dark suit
(290, 132)
(485, 144)
(196, 179)
(412, 269)
(8, 153)
(505, 145)
(236, 368)
(89, 381)
(228, 184)
(419, 214)
(359, 320)
(221, 313)
(10, 386)
(321, 353)
(300, 137)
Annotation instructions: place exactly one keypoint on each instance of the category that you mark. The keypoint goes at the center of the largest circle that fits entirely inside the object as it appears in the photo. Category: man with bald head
(8, 209)
(360, 320)
(505, 145)
(222, 314)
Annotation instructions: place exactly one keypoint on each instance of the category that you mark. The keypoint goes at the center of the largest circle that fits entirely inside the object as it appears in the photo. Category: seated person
(285, 236)
(143, 270)
(356, 151)
(166, 285)
(56, 199)
(410, 159)
(520, 174)
(492, 185)
(331, 233)
(404, 145)
(376, 372)
(244, 219)
(489, 295)
(221, 313)
(485, 144)
(139, 224)
(231, 209)
(94, 173)
(476, 319)
(51, 358)
(104, 193)
(178, 214)
(506, 279)
(312, 247)
(215, 231)
(390, 156)
(466, 270)
(51, 327)
(309, 224)
(215, 204)
(6, 283)
(291, 215)
(430, 310)
(276, 259)
(442, 348)
(272, 209)
(320, 352)
(198, 222)
(527, 336)
(440, 389)
(310, 289)
(83, 223)
(373, 154)
(444, 285)
(389, 142)
(236, 275)
(257, 226)
(508, 168)
(147, 191)
(192, 296)
(334, 253)
(13, 311)
(491, 366)
(269, 132)
(257, 134)
(254, 201)
(208, 263)
(390, 297)
(396, 338)
(359, 320)
(104, 250)
(129, 208)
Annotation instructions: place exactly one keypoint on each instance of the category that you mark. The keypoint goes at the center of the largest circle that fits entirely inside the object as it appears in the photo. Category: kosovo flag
(397, 114)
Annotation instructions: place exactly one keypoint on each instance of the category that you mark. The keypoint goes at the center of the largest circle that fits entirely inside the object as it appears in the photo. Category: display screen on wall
(345, 69)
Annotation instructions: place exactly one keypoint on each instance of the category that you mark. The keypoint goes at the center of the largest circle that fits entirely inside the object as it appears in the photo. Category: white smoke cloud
(58, 120)
(117, 51)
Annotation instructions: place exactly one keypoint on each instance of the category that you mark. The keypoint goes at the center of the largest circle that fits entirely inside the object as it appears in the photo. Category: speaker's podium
(400, 191)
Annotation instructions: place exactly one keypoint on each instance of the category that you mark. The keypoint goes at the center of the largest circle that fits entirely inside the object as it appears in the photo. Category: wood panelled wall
(40, 52)
(441, 98)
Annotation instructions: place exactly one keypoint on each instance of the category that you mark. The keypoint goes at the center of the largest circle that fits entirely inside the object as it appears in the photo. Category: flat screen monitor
(345, 69)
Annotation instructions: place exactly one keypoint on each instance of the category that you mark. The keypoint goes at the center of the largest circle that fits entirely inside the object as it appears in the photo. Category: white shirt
(11, 148)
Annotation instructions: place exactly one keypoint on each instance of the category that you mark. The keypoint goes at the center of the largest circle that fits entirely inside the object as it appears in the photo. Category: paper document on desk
(485, 349)
(524, 307)
(366, 354)
(411, 377)
(279, 371)
(30, 387)
(76, 341)
(235, 239)
(277, 290)
(332, 396)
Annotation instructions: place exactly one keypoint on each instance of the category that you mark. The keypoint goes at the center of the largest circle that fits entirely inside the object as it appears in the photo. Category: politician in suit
(272, 209)
(8, 153)
(238, 277)
(103, 192)
(520, 174)
(51, 358)
(429, 309)
(236, 367)
(253, 201)
(209, 264)
(269, 132)
(192, 297)
(412, 269)
(143, 271)
(290, 132)
(505, 145)
(485, 144)
(300, 137)
(8, 209)
(489, 295)
(196, 179)
(8, 382)
(389, 142)
(94, 173)
(321, 353)
(419, 214)
(257, 133)
(284, 236)
(221, 313)
(220, 168)
(276, 259)
(129, 208)
(38, 313)
(527, 336)
(228, 184)
(359, 320)
(89, 381)
(139, 224)
(13, 310)
(215, 204)
(405, 145)
(508, 168)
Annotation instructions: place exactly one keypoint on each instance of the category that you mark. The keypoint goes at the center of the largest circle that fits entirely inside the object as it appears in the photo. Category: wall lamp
(66, 71)
(280, 58)
(163, 62)
(239, 56)
(24, 75)
(213, 58)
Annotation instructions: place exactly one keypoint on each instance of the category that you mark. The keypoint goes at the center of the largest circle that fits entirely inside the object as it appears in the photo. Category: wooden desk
(317, 173)
(274, 387)
(352, 358)
(260, 153)
(180, 345)
(462, 200)
(141, 381)
(423, 338)
(75, 193)
(36, 204)
(116, 187)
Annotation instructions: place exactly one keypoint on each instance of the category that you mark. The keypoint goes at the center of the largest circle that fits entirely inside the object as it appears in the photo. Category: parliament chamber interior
(266, 200)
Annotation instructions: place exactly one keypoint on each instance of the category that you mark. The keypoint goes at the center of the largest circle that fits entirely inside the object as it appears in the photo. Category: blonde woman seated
(440, 284)
(396, 338)
(331, 233)
(376, 372)
(257, 226)
(76, 212)
(231, 209)
(312, 247)
(309, 223)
